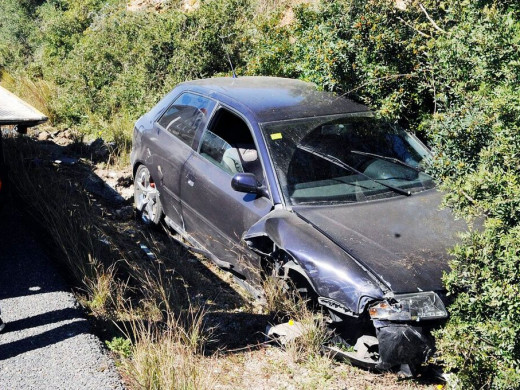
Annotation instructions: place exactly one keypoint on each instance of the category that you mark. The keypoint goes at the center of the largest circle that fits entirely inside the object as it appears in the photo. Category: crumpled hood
(402, 240)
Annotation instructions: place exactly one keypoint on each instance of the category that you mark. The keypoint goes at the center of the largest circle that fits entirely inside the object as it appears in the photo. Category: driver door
(215, 215)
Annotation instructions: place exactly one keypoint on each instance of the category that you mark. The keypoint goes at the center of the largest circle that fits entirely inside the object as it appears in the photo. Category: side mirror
(246, 182)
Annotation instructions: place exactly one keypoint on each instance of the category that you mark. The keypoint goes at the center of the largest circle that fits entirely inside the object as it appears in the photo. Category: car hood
(404, 241)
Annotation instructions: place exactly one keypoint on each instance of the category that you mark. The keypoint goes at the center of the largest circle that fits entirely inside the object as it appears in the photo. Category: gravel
(47, 343)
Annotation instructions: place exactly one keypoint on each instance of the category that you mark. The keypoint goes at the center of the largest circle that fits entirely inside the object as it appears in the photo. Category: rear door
(175, 131)
(215, 215)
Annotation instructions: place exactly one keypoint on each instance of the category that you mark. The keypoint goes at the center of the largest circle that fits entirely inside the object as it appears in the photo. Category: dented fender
(333, 273)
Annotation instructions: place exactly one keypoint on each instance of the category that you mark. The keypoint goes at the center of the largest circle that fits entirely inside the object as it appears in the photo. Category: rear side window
(187, 113)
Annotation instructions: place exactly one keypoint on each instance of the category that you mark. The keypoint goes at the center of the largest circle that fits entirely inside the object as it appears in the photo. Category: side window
(229, 145)
(188, 113)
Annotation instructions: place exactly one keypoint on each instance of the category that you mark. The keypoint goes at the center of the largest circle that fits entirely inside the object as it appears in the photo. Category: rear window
(187, 113)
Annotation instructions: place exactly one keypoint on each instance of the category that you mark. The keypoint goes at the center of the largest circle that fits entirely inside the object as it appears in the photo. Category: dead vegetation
(172, 319)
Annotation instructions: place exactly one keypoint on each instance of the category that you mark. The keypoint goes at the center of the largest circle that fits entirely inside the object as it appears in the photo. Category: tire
(146, 197)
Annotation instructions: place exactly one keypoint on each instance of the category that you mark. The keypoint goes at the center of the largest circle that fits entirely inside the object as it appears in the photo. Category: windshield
(345, 158)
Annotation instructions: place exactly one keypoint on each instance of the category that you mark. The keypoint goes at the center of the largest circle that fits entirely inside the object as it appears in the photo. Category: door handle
(189, 178)
(160, 172)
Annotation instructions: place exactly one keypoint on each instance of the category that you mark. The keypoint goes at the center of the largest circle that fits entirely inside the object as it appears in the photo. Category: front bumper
(403, 344)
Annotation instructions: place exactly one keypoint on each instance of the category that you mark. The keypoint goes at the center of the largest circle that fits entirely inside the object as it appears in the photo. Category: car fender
(335, 275)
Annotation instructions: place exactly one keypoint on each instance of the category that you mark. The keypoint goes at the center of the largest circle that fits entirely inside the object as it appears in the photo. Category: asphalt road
(47, 342)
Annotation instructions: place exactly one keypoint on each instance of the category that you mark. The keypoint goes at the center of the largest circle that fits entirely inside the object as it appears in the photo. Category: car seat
(243, 159)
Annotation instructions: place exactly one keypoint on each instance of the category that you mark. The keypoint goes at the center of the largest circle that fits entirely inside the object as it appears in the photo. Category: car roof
(274, 98)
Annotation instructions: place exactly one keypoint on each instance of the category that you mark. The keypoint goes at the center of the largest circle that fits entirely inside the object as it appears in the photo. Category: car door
(175, 130)
(215, 215)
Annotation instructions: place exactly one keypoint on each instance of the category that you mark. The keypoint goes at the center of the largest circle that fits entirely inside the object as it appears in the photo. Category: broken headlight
(409, 307)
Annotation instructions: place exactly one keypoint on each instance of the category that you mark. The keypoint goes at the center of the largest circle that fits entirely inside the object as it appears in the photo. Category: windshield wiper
(387, 158)
(340, 163)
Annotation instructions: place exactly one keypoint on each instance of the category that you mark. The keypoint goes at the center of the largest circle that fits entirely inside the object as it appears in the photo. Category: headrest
(248, 155)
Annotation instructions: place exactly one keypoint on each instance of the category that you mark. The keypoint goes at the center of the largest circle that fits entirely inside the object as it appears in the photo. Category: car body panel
(169, 155)
(332, 271)
(274, 98)
(403, 240)
(215, 215)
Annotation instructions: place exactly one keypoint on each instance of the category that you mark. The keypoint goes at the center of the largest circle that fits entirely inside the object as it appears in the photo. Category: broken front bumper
(403, 344)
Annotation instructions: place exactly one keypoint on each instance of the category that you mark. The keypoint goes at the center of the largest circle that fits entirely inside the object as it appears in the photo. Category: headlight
(409, 307)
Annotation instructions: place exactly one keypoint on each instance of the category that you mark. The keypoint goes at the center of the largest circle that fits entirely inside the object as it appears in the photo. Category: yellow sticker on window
(276, 136)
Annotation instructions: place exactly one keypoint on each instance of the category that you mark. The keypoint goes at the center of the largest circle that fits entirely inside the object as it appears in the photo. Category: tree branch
(389, 77)
(413, 28)
(435, 25)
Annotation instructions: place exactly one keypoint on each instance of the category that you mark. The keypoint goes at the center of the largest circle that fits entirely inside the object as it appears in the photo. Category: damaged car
(270, 176)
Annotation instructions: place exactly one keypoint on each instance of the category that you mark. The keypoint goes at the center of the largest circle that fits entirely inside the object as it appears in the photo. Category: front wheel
(146, 197)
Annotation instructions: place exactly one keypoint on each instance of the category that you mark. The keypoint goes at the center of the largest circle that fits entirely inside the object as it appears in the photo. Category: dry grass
(168, 356)
(314, 333)
(283, 301)
(100, 288)
(37, 93)
(275, 294)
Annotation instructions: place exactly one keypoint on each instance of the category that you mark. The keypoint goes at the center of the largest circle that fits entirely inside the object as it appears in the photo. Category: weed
(276, 295)
(167, 357)
(285, 302)
(101, 287)
(121, 346)
(314, 333)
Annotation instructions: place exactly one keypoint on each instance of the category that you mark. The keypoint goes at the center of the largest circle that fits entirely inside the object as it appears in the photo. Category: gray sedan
(270, 176)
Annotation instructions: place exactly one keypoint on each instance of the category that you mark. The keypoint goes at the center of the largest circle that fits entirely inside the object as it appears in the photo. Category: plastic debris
(147, 251)
(286, 332)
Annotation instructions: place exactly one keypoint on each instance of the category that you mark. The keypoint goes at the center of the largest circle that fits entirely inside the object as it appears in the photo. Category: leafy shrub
(476, 136)
(121, 346)
(62, 23)
(124, 61)
(357, 48)
(16, 26)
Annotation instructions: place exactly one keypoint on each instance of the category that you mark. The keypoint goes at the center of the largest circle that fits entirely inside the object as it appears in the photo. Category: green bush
(125, 61)
(476, 138)
(17, 25)
(357, 48)
(106, 61)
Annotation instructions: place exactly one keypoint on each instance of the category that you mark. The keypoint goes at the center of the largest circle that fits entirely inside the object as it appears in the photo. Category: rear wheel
(146, 197)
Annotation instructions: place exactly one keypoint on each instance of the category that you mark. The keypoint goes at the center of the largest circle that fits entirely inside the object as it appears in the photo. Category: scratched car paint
(269, 175)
